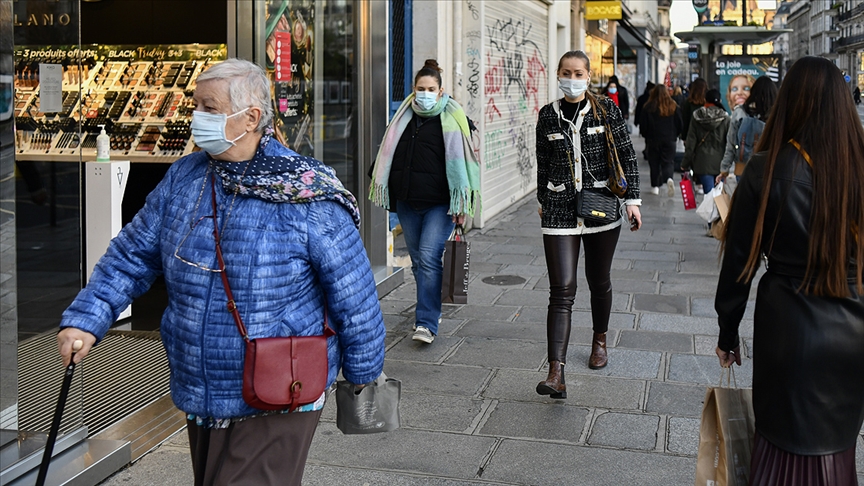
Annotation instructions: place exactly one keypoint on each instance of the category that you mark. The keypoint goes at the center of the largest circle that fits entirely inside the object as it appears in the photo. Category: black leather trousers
(562, 260)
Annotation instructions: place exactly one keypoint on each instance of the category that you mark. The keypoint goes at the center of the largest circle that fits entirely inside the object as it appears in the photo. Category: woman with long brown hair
(800, 206)
(661, 125)
(694, 101)
(572, 162)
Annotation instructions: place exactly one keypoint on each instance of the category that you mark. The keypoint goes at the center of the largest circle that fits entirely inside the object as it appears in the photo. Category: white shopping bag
(707, 210)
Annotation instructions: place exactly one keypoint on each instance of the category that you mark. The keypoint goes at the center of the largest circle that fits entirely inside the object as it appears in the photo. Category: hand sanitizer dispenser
(103, 146)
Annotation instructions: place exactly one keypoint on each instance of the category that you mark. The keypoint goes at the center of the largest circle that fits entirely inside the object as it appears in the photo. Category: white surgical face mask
(426, 99)
(573, 88)
(208, 129)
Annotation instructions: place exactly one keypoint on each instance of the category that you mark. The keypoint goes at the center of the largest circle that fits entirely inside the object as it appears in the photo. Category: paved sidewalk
(470, 414)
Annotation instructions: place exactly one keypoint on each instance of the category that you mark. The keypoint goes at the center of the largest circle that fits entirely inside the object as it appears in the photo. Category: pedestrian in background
(571, 156)
(800, 206)
(745, 127)
(678, 96)
(293, 259)
(694, 101)
(856, 95)
(426, 171)
(619, 95)
(661, 126)
(706, 141)
(640, 102)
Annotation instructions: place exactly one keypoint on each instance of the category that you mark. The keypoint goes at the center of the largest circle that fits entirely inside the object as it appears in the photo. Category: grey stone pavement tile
(317, 475)
(499, 353)
(418, 351)
(687, 325)
(486, 312)
(442, 454)
(705, 370)
(624, 363)
(666, 304)
(683, 436)
(582, 390)
(522, 462)
(624, 430)
(438, 412)
(675, 399)
(511, 419)
(656, 341)
(437, 379)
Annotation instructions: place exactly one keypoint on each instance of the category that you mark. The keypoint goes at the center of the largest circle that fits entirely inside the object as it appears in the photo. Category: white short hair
(248, 86)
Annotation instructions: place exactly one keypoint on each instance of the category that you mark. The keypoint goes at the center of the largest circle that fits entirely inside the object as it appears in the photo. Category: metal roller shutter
(516, 69)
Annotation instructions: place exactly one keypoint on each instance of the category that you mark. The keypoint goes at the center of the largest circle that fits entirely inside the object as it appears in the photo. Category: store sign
(700, 5)
(603, 10)
(45, 21)
(132, 53)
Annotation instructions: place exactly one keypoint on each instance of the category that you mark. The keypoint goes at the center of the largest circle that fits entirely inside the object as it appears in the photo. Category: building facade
(850, 44)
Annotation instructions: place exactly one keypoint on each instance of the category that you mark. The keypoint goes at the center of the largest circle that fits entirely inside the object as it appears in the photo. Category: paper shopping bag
(687, 192)
(725, 437)
(454, 284)
(372, 409)
(723, 201)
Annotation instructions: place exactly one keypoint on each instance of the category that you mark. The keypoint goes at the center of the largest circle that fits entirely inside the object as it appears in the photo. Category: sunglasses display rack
(146, 107)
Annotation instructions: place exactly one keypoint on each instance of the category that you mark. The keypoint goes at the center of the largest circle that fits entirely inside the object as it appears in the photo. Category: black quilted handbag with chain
(598, 205)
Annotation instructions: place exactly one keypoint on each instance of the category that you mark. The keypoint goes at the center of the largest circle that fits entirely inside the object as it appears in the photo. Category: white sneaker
(423, 335)
(655, 190)
(414, 327)
(671, 185)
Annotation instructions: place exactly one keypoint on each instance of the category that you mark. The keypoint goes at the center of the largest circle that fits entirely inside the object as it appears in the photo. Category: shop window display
(309, 51)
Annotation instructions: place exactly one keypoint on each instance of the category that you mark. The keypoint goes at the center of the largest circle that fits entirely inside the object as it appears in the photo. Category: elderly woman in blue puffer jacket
(291, 252)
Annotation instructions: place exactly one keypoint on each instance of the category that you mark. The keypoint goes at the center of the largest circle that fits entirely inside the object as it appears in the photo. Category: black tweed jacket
(556, 188)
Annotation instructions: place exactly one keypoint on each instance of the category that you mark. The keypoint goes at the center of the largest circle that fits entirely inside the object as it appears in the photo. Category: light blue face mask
(613, 90)
(208, 130)
(426, 99)
(573, 88)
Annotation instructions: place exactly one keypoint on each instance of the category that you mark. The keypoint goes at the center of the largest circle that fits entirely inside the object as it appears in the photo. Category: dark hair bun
(432, 64)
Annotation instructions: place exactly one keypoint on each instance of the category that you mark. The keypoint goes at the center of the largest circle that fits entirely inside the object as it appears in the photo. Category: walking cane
(58, 414)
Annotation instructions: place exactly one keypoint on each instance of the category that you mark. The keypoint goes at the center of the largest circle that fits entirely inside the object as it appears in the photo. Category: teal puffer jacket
(285, 263)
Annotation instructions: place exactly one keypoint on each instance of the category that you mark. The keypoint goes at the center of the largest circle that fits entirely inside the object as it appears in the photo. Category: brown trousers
(269, 450)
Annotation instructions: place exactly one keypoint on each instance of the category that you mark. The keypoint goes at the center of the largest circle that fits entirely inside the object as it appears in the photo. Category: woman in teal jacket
(292, 251)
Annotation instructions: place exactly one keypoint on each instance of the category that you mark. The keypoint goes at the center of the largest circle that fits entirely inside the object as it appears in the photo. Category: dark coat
(706, 140)
(623, 100)
(640, 103)
(686, 115)
(660, 128)
(418, 174)
(808, 385)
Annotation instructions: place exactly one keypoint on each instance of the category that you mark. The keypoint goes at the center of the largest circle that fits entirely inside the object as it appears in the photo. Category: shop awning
(630, 35)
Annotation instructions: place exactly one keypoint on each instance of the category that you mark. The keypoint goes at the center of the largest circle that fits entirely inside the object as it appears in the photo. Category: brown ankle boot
(598, 357)
(554, 384)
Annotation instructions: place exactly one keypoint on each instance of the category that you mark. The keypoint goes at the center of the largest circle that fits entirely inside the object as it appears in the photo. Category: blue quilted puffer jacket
(285, 263)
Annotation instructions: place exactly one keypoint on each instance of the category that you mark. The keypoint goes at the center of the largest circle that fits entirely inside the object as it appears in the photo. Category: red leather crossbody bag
(278, 372)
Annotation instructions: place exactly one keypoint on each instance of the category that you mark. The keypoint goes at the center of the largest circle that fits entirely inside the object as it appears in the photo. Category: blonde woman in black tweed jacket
(571, 154)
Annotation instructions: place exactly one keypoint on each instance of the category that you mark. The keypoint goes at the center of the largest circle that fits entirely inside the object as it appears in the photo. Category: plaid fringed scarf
(463, 169)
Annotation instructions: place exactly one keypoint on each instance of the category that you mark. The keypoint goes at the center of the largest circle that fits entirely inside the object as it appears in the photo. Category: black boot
(554, 384)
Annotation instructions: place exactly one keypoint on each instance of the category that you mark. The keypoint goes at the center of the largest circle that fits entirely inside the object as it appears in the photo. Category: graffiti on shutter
(515, 74)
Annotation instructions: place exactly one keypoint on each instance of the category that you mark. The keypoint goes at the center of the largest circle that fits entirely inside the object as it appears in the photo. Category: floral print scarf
(291, 178)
